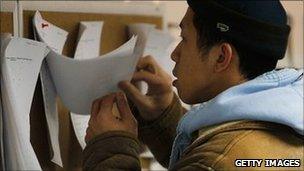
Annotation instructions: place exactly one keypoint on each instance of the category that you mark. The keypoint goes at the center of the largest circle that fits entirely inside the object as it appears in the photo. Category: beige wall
(295, 11)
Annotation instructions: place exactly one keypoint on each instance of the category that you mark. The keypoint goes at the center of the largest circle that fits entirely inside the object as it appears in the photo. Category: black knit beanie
(259, 26)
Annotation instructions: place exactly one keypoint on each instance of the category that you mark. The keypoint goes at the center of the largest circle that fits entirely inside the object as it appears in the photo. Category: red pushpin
(44, 25)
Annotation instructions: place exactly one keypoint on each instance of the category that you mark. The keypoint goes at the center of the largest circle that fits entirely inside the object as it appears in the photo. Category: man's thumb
(133, 93)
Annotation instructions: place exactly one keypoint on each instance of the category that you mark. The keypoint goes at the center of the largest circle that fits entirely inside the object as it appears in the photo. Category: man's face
(193, 69)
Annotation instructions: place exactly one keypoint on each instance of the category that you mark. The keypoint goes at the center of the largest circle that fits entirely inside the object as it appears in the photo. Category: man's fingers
(95, 107)
(150, 79)
(88, 135)
(123, 107)
(107, 103)
(133, 93)
(147, 63)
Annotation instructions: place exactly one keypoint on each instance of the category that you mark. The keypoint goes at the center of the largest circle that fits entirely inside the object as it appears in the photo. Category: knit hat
(259, 26)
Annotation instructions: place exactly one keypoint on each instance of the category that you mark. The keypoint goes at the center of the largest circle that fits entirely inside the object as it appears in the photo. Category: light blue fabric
(275, 96)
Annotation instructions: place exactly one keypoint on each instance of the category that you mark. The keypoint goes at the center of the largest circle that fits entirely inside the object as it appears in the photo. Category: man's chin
(182, 93)
(187, 98)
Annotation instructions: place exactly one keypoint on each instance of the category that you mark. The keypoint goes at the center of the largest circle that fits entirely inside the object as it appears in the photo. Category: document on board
(142, 30)
(28, 59)
(80, 82)
(88, 38)
(19, 74)
(1, 137)
(157, 43)
(4, 40)
(55, 38)
(20, 66)
(88, 44)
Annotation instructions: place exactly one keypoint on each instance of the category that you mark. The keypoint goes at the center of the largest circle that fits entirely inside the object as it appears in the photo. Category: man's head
(225, 43)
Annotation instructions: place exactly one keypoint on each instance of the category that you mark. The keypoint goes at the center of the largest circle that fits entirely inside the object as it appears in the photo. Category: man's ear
(224, 58)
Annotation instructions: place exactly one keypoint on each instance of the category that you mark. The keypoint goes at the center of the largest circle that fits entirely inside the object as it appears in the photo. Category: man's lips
(174, 72)
(174, 83)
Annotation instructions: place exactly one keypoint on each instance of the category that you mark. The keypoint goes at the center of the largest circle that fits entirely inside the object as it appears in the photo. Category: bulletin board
(6, 22)
(114, 34)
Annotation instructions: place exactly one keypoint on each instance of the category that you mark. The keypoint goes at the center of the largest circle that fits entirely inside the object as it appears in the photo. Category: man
(225, 62)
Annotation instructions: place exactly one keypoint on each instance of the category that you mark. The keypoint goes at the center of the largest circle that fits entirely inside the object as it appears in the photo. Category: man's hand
(160, 93)
(102, 119)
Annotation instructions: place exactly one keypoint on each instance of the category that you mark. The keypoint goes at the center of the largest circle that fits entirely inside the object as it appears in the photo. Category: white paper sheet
(20, 68)
(1, 136)
(156, 43)
(142, 30)
(55, 38)
(4, 40)
(80, 82)
(80, 124)
(88, 38)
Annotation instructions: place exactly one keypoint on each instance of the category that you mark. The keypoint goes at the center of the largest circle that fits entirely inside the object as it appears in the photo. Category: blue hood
(275, 96)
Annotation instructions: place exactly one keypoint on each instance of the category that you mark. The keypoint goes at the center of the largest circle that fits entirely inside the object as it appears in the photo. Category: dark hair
(251, 64)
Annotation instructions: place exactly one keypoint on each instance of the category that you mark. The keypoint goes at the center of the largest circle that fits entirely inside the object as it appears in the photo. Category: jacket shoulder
(219, 147)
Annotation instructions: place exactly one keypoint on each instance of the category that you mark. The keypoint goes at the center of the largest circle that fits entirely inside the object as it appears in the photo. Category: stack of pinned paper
(77, 82)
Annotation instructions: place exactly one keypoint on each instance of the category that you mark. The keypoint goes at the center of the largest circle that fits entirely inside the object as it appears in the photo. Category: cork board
(6, 22)
(114, 34)
(114, 28)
